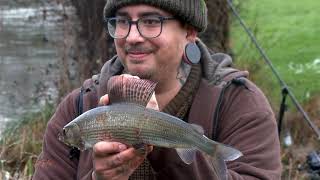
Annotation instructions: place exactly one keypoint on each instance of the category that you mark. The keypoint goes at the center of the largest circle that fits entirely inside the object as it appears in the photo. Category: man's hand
(113, 160)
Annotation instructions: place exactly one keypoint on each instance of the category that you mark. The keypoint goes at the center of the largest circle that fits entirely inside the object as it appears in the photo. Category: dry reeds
(294, 159)
(21, 143)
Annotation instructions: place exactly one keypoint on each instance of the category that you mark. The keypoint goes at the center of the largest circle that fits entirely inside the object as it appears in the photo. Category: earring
(192, 53)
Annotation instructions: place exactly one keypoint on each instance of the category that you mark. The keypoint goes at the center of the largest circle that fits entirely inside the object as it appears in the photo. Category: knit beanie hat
(193, 12)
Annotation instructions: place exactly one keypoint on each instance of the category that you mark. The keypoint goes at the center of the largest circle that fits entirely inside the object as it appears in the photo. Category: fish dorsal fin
(130, 89)
(187, 155)
(197, 128)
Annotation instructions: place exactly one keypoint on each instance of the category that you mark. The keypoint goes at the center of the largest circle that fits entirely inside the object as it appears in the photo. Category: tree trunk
(95, 45)
(217, 36)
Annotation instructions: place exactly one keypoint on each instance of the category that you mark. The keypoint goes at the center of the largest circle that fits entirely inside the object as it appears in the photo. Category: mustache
(138, 49)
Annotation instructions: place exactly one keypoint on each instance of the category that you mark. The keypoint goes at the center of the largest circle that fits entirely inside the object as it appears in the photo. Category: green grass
(289, 32)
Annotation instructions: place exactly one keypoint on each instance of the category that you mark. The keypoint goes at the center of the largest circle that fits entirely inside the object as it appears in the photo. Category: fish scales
(164, 130)
(133, 124)
(154, 127)
(93, 129)
(108, 135)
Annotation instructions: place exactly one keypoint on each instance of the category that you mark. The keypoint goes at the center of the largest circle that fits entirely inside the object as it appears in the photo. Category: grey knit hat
(193, 12)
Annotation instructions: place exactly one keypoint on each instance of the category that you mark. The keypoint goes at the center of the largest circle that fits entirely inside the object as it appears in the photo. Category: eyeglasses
(148, 27)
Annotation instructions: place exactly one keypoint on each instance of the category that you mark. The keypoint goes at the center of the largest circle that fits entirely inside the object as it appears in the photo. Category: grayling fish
(127, 120)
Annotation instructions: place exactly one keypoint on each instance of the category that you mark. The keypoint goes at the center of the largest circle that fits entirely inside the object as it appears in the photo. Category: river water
(30, 37)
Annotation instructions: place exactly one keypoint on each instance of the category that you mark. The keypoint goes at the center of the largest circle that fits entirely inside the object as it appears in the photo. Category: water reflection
(29, 41)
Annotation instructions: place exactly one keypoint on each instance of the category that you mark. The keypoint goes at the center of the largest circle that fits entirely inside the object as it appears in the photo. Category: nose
(134, 35)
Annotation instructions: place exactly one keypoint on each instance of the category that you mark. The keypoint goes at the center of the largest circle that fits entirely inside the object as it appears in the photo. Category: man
(157, 40)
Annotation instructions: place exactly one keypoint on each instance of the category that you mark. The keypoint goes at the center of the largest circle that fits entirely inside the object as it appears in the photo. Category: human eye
(150, 21)
(121, 21)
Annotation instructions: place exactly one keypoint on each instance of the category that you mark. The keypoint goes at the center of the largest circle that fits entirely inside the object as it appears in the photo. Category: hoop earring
(192, 53)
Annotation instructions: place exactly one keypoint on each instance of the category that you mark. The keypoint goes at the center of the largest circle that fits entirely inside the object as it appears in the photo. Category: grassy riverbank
(21, 143)
(289, 34)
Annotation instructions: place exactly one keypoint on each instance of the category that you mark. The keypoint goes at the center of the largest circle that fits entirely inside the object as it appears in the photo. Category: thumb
(104, 100)
(153, 104)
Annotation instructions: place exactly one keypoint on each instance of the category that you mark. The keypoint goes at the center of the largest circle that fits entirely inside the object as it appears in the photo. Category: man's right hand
(113, 160)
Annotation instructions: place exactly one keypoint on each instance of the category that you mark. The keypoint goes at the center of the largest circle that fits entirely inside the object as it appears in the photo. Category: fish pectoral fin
(197, 128)
(187, 155)
(219, 166)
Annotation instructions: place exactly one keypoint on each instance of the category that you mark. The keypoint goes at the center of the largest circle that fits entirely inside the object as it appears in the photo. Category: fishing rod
(285, 89)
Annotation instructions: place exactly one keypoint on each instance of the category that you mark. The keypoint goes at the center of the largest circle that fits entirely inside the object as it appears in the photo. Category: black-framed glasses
(148, 27)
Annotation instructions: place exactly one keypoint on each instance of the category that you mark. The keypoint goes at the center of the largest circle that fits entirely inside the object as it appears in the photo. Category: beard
(158, 71)
(141, 75)
(156, 74)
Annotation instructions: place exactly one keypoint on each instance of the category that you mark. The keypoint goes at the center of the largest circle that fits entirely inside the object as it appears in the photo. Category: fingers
(121, 172)
(103, 148)
(112, 159)
(129, 76)
(153, 104)
(104, 100)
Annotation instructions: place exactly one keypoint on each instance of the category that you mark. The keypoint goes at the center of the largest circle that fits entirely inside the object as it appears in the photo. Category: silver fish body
(133, 124)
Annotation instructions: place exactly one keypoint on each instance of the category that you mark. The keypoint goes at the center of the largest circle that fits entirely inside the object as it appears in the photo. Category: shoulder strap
(74, 152)
(238, 81)
(201, 109)
(88, 86)
(207, 104)
(80, 102)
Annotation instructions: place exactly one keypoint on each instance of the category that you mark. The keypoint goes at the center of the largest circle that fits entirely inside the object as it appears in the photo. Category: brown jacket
(246, 122)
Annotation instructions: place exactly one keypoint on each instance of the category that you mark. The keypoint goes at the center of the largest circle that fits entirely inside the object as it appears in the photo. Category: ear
(192, 34)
